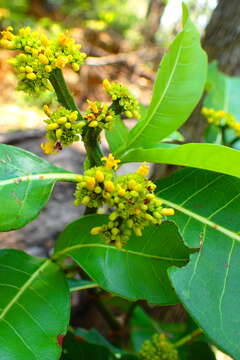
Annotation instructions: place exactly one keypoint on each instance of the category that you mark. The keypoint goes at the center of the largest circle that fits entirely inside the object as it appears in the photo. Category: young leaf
(142, 328)
(90, 344)
(26, 183)
(34, 307)
(203, 156)
(207, 213)
(178, 87)
(138, 271)
(117, 136)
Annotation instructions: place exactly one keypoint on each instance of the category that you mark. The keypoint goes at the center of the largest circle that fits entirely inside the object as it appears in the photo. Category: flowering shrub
(169, 241)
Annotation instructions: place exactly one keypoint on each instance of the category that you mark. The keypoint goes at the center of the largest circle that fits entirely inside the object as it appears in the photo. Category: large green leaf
(34, 307)
(26, 182)
(204, 156)
(207, 213)
(178, 87)
(138, 271)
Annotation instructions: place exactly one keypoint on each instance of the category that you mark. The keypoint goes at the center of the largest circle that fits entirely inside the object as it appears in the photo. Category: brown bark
(222, 36)
(153, 18)
(222, 43)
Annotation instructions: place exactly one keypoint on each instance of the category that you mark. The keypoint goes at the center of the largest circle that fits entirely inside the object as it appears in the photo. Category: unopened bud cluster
(99, 115)
(63, 128)
(158, 348)
(121, 95)
(40, 56)
(131, 198)
(221, 118)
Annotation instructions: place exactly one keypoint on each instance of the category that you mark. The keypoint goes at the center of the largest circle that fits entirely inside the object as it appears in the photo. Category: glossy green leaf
(138, 271)
(213, 135)
(117, 136)
(142, 328)
(175, 136)
(203, 156)
(34, 307)
(26, 182)
(207, 213)
(78, 285)
(76, 348)
(178, 87)
(224, 93)
(90, 344)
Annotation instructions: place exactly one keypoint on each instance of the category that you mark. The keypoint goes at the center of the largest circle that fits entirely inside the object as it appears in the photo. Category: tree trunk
(153, 18)
(222, 36)
(222, 43)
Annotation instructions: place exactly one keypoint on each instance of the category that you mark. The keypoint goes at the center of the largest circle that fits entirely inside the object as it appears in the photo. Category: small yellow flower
(143, 170)
(111, 163)
(90, 183)
(48, 147)
(109, 186)
(47, 110)
(167, 212)
(106, 84)
(61, 62)
(43, 59)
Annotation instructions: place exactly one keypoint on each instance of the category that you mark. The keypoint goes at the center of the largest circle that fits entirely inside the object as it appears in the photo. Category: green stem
(63, 94)
(231, 143)
(91, 136)
(223, 128)
(188, 338)
(91, 143)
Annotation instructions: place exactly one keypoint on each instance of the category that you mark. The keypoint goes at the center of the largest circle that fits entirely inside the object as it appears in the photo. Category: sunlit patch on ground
(14, 117)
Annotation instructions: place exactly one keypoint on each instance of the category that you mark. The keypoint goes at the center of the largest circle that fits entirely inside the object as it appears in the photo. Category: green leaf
(199, 350)
(74, 348)
(175, 136)
(224, 93)
(78, 285)
(178, 87)
(203, 156)
(34, 307)
(90, 344)
(138, 271)
(142, 328)
(213, 134)
(117, 136)
(26, 183)
(207, 214)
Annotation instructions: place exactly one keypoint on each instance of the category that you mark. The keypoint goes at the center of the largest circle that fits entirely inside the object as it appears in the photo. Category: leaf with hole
(138, 271)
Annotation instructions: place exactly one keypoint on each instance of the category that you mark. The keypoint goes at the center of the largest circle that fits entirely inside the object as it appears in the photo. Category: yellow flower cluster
(122, 98)
(221, 118)
(63, 128)
(131, 198)
(40, 56)
(158, 348)
(99, 115)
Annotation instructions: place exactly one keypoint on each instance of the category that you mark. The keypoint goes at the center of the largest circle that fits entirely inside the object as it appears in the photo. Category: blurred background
(125, 41)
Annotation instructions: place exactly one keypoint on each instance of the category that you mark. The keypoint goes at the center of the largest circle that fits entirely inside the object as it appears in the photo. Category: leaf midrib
(24, 288)
(79, 246)
(42, 176)
(202, 219)
(163, 94)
